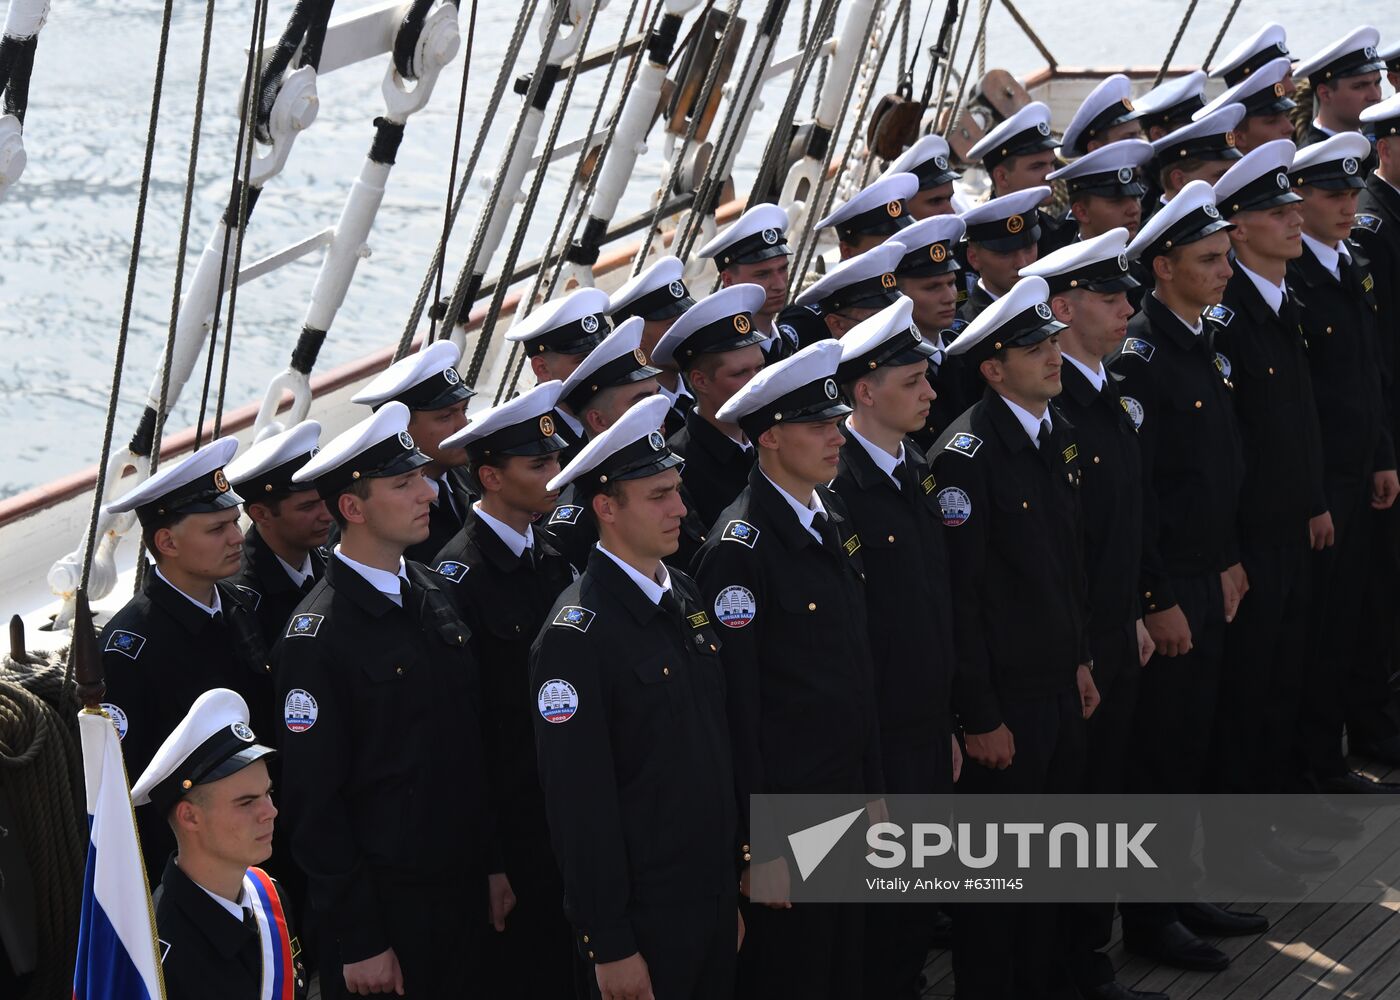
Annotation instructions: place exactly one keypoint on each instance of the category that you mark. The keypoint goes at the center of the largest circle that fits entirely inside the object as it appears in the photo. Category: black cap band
(1005, 235)
(1110, 275)
(1330, 175)
(276, 482)
(762, 245)
(868, 293)
(1177, 115)
(534, 436)
(644, 457)
(205, 495)
(885, 220)
(1384, 128)
(1269, 101)
(1261, 58)
(926, 261)
(726, 334)
(1026, 329)
(1036, 139)
(1268, 191)
(435, 392)
(1195, 225)
(933, 172)
(391, 457)
(903, 349)
(578, 337)
(817, 400)
(1358, 62)
(227, 752)
(659, 303)
(1120, 183)
(624, 370)
(1216, 146)
(1116, 113)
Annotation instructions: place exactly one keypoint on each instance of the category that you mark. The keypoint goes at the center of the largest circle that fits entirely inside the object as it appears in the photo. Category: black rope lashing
(387, 136)
(308, 348)
(406, 38)
(242, 200)
(306, 29)
(16, 65)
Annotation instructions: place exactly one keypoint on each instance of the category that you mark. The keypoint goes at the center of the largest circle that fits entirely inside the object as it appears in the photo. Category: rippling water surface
(65, 230)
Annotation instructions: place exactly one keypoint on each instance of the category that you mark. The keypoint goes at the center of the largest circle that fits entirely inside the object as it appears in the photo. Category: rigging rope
(1171, 52)
(948, 64)
(1220, 35)
(447, 213)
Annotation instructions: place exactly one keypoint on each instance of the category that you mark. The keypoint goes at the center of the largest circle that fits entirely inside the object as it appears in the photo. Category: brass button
(712, 648)
(1271, 371)
(1147, 594)
(1096, 460)
(585, 939)
(891, 538)
(748, 857)
(665, 671)
(1198, 404)
(590, 954)
(1025, 505)
(399, 671)
(746, 847)
(1328, 330)
(811, 607)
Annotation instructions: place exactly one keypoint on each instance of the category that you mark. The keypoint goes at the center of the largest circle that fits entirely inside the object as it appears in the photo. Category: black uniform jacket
(905, 557)
(634, 752)
(802, 713)
(267, 586)
(716, 466)
(1341, 331)
(1014, 541)
(381, 746)
(443, 520)
(572, 529)
(978, 299)
(1192, 458)
(207, 953)
(1055, 232)
(1262, 354)
(1110, 491)
(1376, 234)
(505, 600)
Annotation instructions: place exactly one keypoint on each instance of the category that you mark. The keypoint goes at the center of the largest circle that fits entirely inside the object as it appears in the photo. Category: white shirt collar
(1328, 257)
(1272, 294)
(1393, 187)
(805, 514)
(209, 609)
(299, 576)
(515, 541)
(671, 397)
(654, 589)
(1028, 420)
(235, 910)
(1096, 378)
(983, 285)
(883, 460)
(571, 420)
(381, 580)
(1195, 327)
(1322, 128)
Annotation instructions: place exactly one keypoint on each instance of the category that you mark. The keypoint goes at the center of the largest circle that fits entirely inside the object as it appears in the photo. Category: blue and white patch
(118, 718)
(241, 730)
(1220, 314)
(740, 531)
(304, 625)
(1139, 347)
(453, 570)
(126, 643)
(574, 617)
(955, 504)
(565, 513)
(735, 606)
(253, 595)
(1222, 365)
(964, 444)
(558, 701)
(1133, 409)
(1368, 222)
(300, 710)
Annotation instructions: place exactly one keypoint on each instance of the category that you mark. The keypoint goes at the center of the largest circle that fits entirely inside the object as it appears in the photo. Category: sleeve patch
(1071, 453)
(565, 513)
(454, 571)
(305, 625)
(851, 545)
(740, 531)
(698, 620)
(126, 643)
(300, 710)
(964, 444)
(118, 718)
(253, 595)
(928, 484)
(956, 506)
(1371, 223)
(558, 700)
(1368, 282)
(735, 606)
(574, 617)
(1133, 409)
(1220, 314)
(1140, 347)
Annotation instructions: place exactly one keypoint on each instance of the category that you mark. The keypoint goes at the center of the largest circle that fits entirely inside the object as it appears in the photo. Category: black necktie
(527, 558)
(831, 538)
(905, 477)
(307, 584)
(1042, 440)
(671, 605)
(217, 618)
(404, 591)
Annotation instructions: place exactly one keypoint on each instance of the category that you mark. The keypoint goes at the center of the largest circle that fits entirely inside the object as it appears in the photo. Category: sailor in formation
(1131, 462)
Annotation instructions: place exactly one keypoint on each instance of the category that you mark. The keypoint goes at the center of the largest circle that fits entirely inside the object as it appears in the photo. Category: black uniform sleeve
(1136, 388)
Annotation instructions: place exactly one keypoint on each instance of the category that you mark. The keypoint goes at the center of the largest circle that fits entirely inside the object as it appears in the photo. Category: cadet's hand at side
(769, 881)
(1234, 584)
(1321, 533)
(957, 759)
(626, 979)
(740, 945)
(994, 749)
(1088, 690)
(1385, 487)
(1169, 631)
(1146, 647)
(502, 898)
(380, 974)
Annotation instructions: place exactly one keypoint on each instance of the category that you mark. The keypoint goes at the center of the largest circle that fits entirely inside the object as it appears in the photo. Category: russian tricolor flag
(117, 943)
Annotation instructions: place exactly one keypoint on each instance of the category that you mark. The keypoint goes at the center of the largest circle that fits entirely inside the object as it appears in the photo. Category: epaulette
(566, 513)
(572, 616)
(453, 570)
(1220, 314)
(964, 444)
(126, 643)
(304, 625)
(1368, 222)
(740, 531)
(1142, 348)
(253, 595)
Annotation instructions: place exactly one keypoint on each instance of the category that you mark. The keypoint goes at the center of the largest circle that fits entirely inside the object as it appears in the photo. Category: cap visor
(250, 754)
(526, 449)
(1005, 244)
(222, 501)
(414, 460)
(928, 269)
(456, 394)
(664, 460)
(1032, 337)
(1341, 182)
(1126, 283)
(766, 253)
(824, 411)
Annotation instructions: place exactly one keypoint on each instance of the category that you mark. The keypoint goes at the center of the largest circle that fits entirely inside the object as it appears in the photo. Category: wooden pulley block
(1003, 93)
(893, 126)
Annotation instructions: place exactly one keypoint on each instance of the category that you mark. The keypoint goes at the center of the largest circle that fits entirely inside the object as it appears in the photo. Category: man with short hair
(659, 296)
(1202, 150)
(283, 549)
(634, 755)
(854, 290)
(1170, 105)
(187, 630)
(1105, 191)
(1264, 94)
(1017, 155)
(873, 214)
(1255, 52)
(927, 160)
(429, 385)
(1106, 116)
(381, 707)
(225, 926)
(1346, 80)
(754, 251)
(1003, 236)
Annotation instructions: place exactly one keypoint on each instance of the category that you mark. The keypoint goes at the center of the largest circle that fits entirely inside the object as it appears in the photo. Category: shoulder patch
(740, 531)
(299, 710)
(566, 513)
(1133, 409)
(307, 625)
(955, 504)
(851, 545)
(574, 617)
(735, 606)
(1142, 348)
(1371, 223)
(964, 444)
(1220, 314)
(253, 595)
(126, 643)
(453, 570)
(557, 700)
(1071, 453)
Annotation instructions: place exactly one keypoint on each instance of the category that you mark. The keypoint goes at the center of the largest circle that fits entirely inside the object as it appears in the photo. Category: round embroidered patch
(955, 504)
(558, 701)
(450, 376)
(1133, 409)
(118, 718)
(241, 730)
(300, 710)
(735, 606)
(1222, 364)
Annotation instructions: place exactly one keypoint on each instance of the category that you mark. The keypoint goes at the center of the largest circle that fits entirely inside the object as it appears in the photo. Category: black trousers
(1371, 712)
(535, 955)
(689, 947)
(898, 935)
(1174, 718)
(1085, 929)
(812, 951)
(1003, 951)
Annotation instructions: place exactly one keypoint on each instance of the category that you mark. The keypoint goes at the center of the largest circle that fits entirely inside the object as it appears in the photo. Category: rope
(447, 213)
(1029, 32)
(967, 70)
(415, 314)
(1220, 35)
(41, 771)
(982, 41)
(124, 327)
(948, 65)
(1171, 52)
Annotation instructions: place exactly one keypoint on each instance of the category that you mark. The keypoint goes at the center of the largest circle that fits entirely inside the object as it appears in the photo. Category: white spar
(23, 20)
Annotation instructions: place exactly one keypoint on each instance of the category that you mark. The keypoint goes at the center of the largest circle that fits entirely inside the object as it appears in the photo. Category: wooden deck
(1310, 951)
